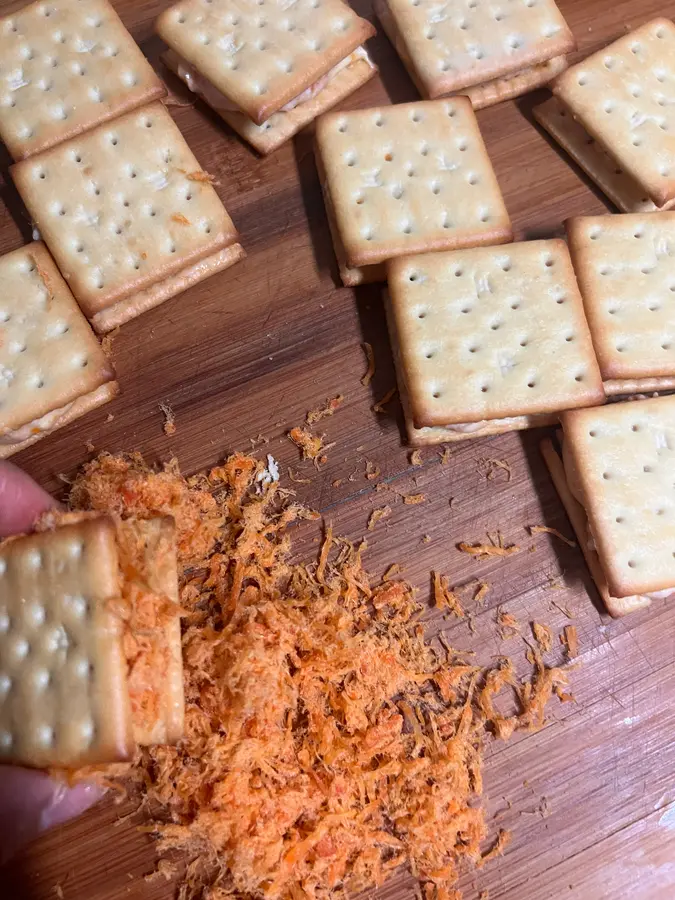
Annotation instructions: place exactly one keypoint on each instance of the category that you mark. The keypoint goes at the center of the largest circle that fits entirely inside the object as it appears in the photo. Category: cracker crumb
(180, 219)
(413, 499)
(169, 426)
(107, 341)
(382, 486)
(444, 597)
(337, 482)
(379, 407)
(543, 635)
(489, 468)
(394, 569)
(481, 593)
(382, 512)
(322, 412)
(372, 470)
(89, 447)
(296, 479)
(257, 441)
(544, 529)
(109, 417)
(445, 455)
(415, 458)
(570, 641)
(370, 360)
(496, 547)
(58, 890)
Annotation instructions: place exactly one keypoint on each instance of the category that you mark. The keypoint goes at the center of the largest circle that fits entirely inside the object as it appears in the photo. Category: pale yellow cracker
(452, 45)
(66, 66)
(409, 179)
(52, 369)
(623, 96)
(63, 699)
(282, 125)
(592, 158)
(492, 333)
(620, 465)
(124, 207)
(261, 56)
(616, 606)
(625, 266)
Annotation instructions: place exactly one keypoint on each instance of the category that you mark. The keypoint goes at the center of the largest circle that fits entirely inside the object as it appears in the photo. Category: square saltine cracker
(622, 461)
(623, 96)
(128, 214)
(52, 369)
(66, 66)
(625, 266)
(262, 55)
(409, 179)
(457, 44)
(492, 333)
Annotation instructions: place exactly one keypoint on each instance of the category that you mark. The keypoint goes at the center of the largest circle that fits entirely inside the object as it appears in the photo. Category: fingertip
(21, 500)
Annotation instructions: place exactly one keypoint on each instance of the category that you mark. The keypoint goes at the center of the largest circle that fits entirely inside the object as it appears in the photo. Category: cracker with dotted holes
(592, 158)
(456, 44)
(623, 97)
(623, 460)
(63, 697)
(625, 266)
(616, 606)
(67, 65)
(441, 434)
(282, 125)
(492, 333)
(49, 358)
(409, 179)
(124, 208)
(261, 55)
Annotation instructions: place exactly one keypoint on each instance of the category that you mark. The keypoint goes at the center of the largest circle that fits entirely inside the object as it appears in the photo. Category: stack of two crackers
(268, 69)
(114, 191)
(612, 113)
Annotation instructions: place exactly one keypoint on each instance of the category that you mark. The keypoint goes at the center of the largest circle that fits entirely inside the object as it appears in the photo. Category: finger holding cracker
(128, 214)
(489, 53)
(407, 179)
(267, 72)
(475, 332)
(67, 66)
(52, 368)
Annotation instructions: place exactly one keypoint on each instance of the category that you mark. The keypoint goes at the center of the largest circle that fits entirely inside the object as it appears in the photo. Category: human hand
(30, 801)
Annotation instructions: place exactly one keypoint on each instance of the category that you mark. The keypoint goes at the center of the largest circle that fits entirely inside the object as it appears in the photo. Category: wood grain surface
(248, 353)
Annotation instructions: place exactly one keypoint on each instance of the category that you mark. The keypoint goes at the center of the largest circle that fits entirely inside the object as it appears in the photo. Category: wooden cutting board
(590, 799)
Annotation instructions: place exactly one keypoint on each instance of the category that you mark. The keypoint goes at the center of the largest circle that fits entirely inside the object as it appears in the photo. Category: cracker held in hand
(616, 485)
(52, 369)
(128, 214)
(268, 69)
(625, 193)
(490, 52)
(490, 339)
(67, 65)
(623, 96)
(407, 179)
(625, 266)
(77, 626)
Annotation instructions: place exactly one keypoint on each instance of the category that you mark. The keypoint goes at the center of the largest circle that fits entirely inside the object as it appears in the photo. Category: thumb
(21, 500)
(31, 802)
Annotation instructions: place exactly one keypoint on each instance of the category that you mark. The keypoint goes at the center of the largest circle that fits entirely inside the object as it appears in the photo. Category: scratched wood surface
(247, 354)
